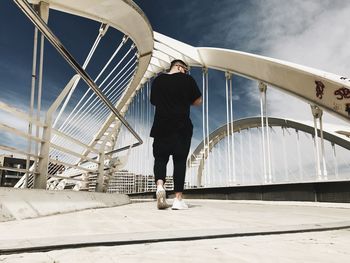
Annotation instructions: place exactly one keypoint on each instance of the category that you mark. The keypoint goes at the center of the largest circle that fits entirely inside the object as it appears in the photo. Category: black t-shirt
(173, 95)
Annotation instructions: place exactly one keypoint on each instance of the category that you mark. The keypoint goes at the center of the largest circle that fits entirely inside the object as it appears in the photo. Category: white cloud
(313, 33)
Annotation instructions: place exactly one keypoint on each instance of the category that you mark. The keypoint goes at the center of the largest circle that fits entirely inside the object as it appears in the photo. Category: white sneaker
(179, 204)
(161, 199)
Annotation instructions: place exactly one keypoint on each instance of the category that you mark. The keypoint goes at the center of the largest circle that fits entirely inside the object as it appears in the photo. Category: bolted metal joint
(316, 111)
(228, 75)
(262, 86)
(125, 38)
(103, 29)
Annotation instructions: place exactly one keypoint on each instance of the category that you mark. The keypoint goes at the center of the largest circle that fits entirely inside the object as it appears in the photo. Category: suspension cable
(93, 103)
(232, 133)
(67, 128)
(102, 31)
(85, 94)
(228, 76)
(83, 136)
(32, 96)
(262, 87)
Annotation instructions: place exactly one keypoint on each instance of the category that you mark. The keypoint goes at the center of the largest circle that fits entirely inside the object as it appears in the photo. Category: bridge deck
(213, 231)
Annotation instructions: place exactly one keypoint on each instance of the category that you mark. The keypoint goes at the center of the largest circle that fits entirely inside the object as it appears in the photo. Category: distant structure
(126, 182)
(120, 182)
(8, 176)
(99, 140)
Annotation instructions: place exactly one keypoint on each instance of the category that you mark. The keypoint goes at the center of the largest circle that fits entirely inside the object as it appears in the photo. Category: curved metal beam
(220, 133)
(41, 25)
(123, 15)
(329, 91)
(326, 90)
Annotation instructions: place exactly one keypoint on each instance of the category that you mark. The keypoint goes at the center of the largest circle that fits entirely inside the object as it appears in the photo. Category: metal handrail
(18, 132)
(18, 151)
(13, 169)
(19, 114)
(53, 39)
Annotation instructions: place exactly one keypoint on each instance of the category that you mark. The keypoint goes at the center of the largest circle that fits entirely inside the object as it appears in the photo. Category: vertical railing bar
(227, 76)
(31, 110)
(262, 87)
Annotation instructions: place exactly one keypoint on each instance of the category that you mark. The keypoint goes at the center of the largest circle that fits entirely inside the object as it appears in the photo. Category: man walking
(172, 94)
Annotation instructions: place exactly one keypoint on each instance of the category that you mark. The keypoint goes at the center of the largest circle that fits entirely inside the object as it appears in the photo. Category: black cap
(177, 61)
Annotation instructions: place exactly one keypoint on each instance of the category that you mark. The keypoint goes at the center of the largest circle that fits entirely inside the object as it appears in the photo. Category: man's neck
(173, 71)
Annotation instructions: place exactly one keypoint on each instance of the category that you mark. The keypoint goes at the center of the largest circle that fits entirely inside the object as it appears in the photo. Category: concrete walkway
(18, 204)
(210, 231)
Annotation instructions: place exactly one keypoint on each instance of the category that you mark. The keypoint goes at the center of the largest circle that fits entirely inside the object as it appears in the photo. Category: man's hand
(197, 102)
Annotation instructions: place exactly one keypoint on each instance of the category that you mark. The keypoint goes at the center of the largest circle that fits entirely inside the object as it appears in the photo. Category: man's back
(173, 94)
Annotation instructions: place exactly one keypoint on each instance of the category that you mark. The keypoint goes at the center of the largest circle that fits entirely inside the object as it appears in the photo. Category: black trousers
(177, 145)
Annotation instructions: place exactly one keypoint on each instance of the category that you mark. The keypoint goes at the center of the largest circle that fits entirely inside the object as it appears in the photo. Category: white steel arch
(329, 91)
(200, 154)
(123, 15)
(126, 17)
(155, 52)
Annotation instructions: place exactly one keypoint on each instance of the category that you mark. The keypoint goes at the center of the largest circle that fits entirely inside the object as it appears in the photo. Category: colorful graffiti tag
(319, 89)
(342, 93)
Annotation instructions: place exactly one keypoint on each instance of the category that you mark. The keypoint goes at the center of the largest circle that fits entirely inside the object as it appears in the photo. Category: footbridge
(87, 132)
(95, 128)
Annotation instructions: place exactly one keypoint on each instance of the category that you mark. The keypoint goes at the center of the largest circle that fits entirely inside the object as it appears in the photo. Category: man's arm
(197, 102)
(153, 92)
(195, 93)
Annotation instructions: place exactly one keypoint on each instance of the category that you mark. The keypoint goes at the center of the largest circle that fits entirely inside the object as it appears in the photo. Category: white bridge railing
(90, 130)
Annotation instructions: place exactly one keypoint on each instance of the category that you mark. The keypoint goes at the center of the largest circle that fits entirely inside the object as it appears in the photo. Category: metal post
(316, 111)
(324, 171)
(267, 136)
(207, 124)
(285, 154)
(251, 156)
(299, 157)
(204, 120)
(31, 109)
(335, 161)
(38, 22)
(100, 175)
(242, 161)
(200, 173)
(40, 181)
(44, 14)
(228, 76)
(232, 133)
(262, 88)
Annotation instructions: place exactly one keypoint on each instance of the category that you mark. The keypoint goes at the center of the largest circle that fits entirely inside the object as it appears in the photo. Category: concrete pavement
(17, 204)
(225, 231)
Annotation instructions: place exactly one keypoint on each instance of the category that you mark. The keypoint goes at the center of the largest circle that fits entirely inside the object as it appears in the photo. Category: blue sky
(314, 33)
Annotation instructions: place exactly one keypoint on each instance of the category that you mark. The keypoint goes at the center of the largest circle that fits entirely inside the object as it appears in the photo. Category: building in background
(10, 170)
(126, 182)
(120, 182)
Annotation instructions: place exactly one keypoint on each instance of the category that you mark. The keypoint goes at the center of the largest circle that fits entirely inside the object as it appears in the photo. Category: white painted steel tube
(233, 154)
(227, 75)
(86, 62)
(38, 22)
(263, 134)
(324, 170)
(204, 121)
(31, 109)
(318, 167)
(207, 125)
(268, 138)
